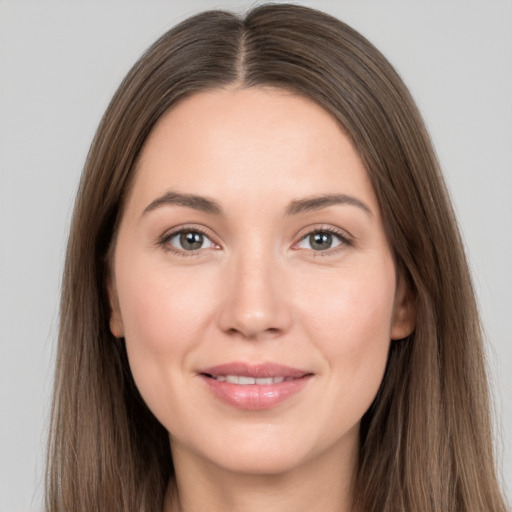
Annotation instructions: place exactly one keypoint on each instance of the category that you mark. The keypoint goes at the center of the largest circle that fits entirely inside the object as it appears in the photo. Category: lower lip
(255, 397)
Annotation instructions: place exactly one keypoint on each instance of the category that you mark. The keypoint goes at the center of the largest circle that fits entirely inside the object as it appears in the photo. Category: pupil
(191, 240)
(321, 241)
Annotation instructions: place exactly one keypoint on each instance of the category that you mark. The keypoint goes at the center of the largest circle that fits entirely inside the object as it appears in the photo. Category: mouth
(254, 374)
(255, 387)
(243, 380)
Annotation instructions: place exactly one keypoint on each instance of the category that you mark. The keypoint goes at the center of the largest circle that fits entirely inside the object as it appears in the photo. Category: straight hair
(426, 442)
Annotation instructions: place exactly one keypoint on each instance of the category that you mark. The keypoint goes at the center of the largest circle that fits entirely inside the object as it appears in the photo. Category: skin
(257, 290)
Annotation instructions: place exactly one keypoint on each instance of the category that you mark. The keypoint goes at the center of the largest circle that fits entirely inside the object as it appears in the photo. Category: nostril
(254, 333)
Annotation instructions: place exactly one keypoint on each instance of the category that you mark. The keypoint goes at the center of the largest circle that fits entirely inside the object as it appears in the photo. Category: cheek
(162, 310)
(349, 318)
(163, 313)
(163, 316)
(351, 301)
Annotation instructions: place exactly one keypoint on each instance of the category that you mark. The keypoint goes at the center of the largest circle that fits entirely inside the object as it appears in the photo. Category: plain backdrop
(60, 63)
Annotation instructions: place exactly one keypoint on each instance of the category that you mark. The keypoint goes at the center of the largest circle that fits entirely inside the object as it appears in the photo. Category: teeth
(244, 381)
(265, 381)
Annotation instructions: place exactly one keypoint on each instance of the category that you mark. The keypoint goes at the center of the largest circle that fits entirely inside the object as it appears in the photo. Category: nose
(255, 298)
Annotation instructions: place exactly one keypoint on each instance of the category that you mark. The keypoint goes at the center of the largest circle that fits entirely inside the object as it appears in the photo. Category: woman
(266, 300)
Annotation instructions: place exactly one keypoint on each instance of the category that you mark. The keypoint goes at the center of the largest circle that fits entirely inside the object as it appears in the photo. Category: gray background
(60, 62)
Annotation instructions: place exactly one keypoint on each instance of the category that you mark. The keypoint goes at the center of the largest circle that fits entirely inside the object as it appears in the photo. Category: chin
(275, 453)
(260, 462)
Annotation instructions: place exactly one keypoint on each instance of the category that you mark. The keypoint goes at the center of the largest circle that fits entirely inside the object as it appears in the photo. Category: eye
(321, 240)
(188, 240)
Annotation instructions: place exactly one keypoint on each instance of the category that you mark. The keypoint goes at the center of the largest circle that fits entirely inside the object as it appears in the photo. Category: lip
(255, 397)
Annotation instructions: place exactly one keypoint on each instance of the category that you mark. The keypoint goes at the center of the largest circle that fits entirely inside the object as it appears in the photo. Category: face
(253, 282)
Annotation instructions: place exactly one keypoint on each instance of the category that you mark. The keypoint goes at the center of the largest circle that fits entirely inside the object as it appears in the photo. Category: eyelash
(164, 241)
(345, 241)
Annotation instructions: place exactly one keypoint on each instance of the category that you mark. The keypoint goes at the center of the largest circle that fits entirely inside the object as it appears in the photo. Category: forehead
(249, 143)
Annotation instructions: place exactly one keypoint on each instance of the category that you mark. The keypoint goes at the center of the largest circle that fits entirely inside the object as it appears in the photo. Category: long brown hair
(426, 440)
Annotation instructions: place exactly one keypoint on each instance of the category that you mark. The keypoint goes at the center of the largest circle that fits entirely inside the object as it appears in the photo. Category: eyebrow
(318, 202)
(188, 200)
(295, 207)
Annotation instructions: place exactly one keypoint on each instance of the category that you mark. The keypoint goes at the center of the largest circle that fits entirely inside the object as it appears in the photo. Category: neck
(323, 484)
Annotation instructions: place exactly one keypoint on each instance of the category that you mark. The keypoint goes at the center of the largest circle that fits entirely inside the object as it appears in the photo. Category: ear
(404, 311)
(116, 321)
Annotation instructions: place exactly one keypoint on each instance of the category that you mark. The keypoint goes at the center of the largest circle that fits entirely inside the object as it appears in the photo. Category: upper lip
(260, 370)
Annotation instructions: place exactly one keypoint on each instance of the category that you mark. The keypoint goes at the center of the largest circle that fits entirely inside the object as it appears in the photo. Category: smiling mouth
(247, 374)
(244, 380)
(254, 387)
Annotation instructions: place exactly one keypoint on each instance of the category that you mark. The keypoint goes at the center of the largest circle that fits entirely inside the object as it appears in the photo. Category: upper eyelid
(316, 228)
(346, 240)
(169, 234)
